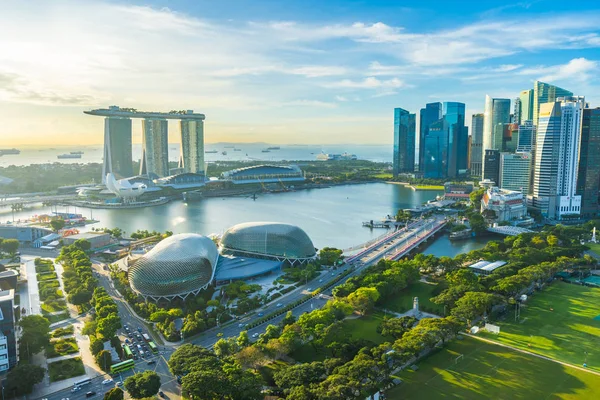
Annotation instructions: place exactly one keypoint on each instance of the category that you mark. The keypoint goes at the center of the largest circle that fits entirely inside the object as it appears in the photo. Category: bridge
(508, 230)
(397, 244)
(9, 201)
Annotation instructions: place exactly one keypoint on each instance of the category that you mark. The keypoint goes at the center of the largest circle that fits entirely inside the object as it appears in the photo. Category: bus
(153, 347)
(82, 382)
(127, 350)
(122, 366)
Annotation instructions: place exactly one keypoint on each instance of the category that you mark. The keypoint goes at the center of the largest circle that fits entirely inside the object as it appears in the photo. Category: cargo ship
(9, 151)
(273, 148)
(64, 156)
(76, 152)
(211, 152)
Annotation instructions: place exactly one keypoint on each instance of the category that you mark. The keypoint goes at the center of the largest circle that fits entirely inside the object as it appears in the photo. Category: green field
(558, 322)
(65, 369)
(595, 247)
(403, 301)
(427, 187)
(488, 371)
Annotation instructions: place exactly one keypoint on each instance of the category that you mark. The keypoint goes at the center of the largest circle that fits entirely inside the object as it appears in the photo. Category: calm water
(443, 246)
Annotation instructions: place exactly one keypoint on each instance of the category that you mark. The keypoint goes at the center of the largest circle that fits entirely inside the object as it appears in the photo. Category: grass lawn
(57, 317)
(61, 347)
(564, 334)
(66, 331)
(54, 306)
(487, 371)
(49, 276)
(595, 247)
(403, 301)
(428, 187)
(65, 369)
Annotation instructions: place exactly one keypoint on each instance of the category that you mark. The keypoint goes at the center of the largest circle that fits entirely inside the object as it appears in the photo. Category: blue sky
(282, 72)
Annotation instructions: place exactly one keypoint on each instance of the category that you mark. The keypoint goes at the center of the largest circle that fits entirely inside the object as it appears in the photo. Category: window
(2, 347)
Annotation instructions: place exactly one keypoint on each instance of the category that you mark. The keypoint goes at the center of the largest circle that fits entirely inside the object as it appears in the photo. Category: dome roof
(268, 239)
(176, 266)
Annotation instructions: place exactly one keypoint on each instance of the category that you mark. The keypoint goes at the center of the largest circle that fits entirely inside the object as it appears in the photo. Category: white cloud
(578, 69)
(507, 67)
(310, 103)
(368, 83)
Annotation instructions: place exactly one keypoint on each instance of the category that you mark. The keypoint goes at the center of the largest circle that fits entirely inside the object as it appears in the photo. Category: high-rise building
(404, 141)
(545, 93)
(191, 157)
(476, 144)
(435, 157)
(8, 341)
(525, 106)
(511, 138)
(515, 172)
(516, 116)
(588, 179)
(557, 158)
(117, 148)
(526, 142)
(454, 114)
(155, 147)
(497, 111)
(427, 116)
(491, 166)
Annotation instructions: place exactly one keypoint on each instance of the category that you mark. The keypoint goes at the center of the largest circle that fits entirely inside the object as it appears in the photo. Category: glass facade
(491, 163)
(435, 157)
(404, 141)
(525, 106)
(476, 143)
(269, 240)
(526, 142)
(427, 116)
(117, 148)
(176, 267)
(588, 180)
(454, 114)
(515, 172)
(192, 146)
(155, 147)
(545, 93)
(497, 111)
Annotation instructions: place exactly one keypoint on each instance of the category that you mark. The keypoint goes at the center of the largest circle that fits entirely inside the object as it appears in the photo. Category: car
(127, 341)
(75, 389)
(65, 398)
(120, 383)
(320, 280)
(260, 314)
(135, 357)
(90, 394)
(255, 335)
(107, 381)
(139, 329)
(126, 328)
(309, 290)
(161, 394)
(151, 362)
(279, 305)
(240, 325)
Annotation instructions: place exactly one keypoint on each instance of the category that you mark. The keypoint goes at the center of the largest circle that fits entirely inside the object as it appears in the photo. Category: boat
(76, 152)
(273, 148)
(9, 151)
(266, 151)
(211, 152)
(191, 196)
(237, 149)
(224, 153)
(63, 156)
(229, 147)
(336, 157)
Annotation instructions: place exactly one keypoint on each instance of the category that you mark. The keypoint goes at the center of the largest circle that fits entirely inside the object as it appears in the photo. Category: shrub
(65, 369)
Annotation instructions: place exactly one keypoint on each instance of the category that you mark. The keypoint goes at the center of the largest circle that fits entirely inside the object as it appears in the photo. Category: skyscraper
(117, 148)
(155, 147)
(476, 144)
(557, 158)
(516, 110)
(454, 114)
(191, 157)
(515, 172)
(511, 138)
(8, 341)
(404, 141)
(491, 166)
(525, 105)
(427, 116)
(435, 157)
(588, 179)
(497, 111)
(526, 136)
(545, 93)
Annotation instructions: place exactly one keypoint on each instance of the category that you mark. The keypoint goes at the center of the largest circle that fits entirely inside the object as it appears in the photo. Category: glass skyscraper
(427, 116)
(454, 114)
(117, 148)
(191, 158)
(525, 106)
(155, 147)
(436, 148)
(497, 111)
(545, 93)
(526, 141)
(515, 172)
(491, 163)
(588, 179)
(404, 141)
(476, 144)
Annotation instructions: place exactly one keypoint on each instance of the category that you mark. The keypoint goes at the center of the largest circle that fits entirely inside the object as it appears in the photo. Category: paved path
(32, 286)
(533, 354)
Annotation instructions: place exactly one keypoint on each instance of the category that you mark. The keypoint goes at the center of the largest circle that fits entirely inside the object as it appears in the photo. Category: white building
(515, 171)
(508, 205)
(557, 158)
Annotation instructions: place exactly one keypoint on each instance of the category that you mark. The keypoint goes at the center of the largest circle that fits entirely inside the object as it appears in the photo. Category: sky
(294, 71)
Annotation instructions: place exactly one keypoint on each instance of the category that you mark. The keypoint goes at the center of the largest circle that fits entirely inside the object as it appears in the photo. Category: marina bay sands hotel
(155, 137)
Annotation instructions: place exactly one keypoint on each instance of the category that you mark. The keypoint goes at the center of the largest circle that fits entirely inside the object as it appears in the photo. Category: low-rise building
(97, 239)
(24, 234)
(508, 205)
(8, 341)
(457, 191)
(486, 267)
(265, 174)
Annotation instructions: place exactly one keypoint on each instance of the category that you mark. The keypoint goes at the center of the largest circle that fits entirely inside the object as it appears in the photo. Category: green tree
(299, 375)
(79, 296)
(104, 360)
(329, 255)
(57, 224)
(89, 328)
(83, 244)
(189, 356)
(363, 299)
(35, 335)
(21, 379)
(473, 305)
(10, 246)
(288, 319)
(108, 326)
(206, 384)
(145, 384)
(114, 394)
(396, 327)
(243, 340)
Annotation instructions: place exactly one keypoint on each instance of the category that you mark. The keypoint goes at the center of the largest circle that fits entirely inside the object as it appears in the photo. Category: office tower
(476, 144)
(516, 116)
(117, 148)
(454, 114)
(588, 179)
(404, 141)
(191, 157)
(435, 157)
(8, 341)
(525, 105)
(427, 116)
(515, 172)
(545, 93)
(557, 158)
(526, 134)
(155, 148)
(491, 166)
(511, 138)
(497, 111)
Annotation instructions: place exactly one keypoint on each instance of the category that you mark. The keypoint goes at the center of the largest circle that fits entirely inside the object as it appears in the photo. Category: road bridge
(10, 201)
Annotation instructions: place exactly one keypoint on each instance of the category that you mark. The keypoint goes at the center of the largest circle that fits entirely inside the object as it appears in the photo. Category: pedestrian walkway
(32, 287)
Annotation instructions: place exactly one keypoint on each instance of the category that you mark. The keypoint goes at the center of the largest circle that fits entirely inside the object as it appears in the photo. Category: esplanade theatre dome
(177, 266)
(272, 240)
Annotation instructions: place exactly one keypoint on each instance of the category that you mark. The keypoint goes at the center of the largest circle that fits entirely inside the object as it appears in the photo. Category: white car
(255, 335)
(279, 304)
(75, 389)
(107, 381)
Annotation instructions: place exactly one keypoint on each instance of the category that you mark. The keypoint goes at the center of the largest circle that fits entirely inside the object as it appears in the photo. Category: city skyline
(276, 75)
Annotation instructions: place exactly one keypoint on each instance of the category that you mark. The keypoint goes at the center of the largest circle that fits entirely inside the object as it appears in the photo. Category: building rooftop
(487, 265)
(116, 111)
(88, 235)
(7, 295)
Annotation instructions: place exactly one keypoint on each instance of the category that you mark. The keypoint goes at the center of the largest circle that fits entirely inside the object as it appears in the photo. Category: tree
(206, 384)
(477, 223)
(10, 246)
(104, 360)
(114, 394)
(89, 328)
(396, 327)
(473, 305)
(35, 334)
(251, 357)
(57, 224)
(225, 347)
(21, 379)
(145, 384)
(243, 340)
(463, 277)
(108, 326)
(552, 240)
(83, 244)
(288, 319)
(329, 255)
(79, 296)
(189, 356)
(300, 375)
(363, 299)
(96, 346)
